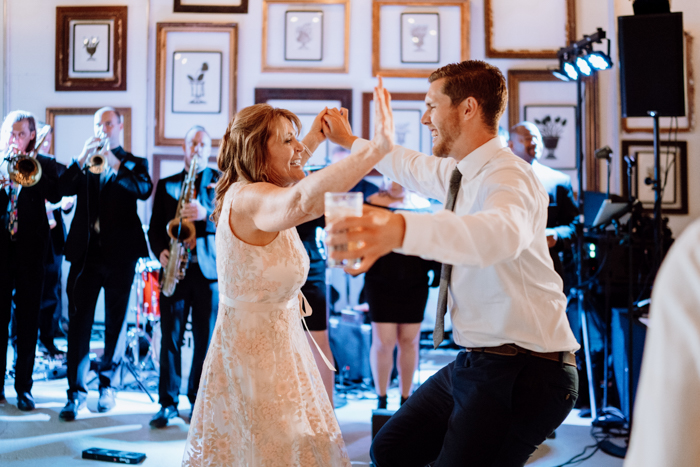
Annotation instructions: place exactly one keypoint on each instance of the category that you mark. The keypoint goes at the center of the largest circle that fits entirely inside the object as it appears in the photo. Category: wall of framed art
(28, 71)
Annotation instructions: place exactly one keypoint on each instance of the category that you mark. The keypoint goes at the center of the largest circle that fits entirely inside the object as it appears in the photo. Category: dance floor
(40, 439)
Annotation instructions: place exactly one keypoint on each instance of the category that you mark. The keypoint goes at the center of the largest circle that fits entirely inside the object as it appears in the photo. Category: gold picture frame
(274, 36)
(591, 110)
(172, 122)
(495, 46)
(391, 8)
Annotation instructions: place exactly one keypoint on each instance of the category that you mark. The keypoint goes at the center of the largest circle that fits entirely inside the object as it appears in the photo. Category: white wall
(30, 74)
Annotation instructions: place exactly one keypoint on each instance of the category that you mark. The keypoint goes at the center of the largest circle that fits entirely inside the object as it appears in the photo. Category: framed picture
(541, 88)
(528, 28)
(306, 104)
(413, 38)
(674, 174)
(408, 108)
(210, 6)
(671, 124)
(420, 38)
(557, 124)
(306, 36)
(91, 48)
(303, 35)
(196, 84)
(72, 126)
(195, 79)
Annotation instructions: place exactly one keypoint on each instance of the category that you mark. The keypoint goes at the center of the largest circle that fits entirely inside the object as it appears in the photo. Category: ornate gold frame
(53, 112)
(415, 72)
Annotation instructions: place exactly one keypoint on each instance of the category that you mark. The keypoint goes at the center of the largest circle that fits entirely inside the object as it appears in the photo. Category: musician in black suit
(104, 243)
(24, 247)
(526, 143)
(199, 290)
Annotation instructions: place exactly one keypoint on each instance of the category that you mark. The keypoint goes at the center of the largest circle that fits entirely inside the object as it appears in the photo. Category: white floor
(40, 439)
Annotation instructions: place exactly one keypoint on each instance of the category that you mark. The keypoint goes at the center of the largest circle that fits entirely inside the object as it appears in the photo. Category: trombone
(24, 169)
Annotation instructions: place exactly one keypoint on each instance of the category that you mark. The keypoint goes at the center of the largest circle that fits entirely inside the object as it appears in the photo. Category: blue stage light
(599, 60)
(570, 71)
(583, 66)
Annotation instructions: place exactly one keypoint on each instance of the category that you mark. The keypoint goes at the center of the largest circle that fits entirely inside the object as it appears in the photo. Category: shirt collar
(475, 160)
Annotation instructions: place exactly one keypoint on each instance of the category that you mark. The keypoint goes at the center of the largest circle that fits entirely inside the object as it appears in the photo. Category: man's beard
(447, 135)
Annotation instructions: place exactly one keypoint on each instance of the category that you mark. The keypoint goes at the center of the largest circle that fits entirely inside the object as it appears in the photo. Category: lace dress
(261, 401)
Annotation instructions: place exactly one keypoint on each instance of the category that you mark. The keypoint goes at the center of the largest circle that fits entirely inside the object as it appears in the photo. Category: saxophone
(180, 231)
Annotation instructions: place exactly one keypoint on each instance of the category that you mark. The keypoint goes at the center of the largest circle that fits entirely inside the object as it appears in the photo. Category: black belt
(512, 350)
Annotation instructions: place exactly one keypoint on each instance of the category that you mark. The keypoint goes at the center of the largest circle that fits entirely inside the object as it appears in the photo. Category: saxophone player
(198, 291)
(24, 245)
(104, 243)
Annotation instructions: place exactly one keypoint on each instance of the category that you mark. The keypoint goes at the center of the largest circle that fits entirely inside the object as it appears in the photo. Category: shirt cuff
(413, 238)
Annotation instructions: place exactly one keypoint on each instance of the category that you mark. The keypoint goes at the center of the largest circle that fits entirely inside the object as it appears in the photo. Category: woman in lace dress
(261, 401)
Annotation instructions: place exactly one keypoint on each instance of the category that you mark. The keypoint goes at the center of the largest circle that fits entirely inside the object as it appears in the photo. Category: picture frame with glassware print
(306, 104)
(179, 87)
(91, 45)
(408, 109)
(320, 45)
(446, 38)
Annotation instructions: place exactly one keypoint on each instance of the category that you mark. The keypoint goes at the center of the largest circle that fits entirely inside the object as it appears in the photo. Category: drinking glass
(339, 206)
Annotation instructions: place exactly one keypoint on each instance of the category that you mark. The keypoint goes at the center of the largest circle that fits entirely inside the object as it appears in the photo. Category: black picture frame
(178, 7)
(636, 148)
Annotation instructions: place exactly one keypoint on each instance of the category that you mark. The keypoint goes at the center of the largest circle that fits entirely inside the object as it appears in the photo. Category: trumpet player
(104, 243)
(29, 179)
(198, 290)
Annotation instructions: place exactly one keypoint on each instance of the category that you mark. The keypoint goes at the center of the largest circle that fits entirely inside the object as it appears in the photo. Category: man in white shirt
(666, 422)
(516, 381)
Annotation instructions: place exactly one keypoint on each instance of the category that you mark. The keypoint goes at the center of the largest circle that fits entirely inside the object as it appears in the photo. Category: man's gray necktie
(446, 273)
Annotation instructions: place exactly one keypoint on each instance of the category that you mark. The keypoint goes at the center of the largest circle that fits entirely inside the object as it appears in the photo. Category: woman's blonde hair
(243, 150)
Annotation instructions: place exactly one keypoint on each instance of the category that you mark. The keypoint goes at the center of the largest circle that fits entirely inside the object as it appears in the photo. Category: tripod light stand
(577, 61)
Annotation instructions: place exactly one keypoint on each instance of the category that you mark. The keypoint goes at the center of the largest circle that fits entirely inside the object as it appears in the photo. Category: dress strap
(299, 301)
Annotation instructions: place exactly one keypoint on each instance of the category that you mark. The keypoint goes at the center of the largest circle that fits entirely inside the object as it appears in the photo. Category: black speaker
(379, 419)
(651, 65)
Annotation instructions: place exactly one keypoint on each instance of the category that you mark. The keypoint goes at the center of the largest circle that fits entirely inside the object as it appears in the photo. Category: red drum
(150, 294)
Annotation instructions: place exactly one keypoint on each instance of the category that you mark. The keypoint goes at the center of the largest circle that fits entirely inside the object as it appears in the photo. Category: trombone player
(198, 290)
(104, 243)
(24, 243)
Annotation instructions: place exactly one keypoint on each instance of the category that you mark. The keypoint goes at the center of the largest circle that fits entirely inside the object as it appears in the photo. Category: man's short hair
(110, 109)
(532, 129)
(477, 79)
(17, 116)
(194, 130)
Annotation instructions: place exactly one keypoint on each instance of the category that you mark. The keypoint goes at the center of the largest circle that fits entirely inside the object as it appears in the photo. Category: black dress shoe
(160, 420)
(106, 401)
(70, 411)
(25, 402)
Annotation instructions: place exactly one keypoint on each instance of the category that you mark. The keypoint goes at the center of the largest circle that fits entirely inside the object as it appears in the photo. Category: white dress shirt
(503, 288)
(666, 421)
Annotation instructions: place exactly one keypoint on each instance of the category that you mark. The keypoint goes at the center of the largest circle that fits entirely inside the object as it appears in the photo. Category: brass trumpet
(96, 162)
(24, 169)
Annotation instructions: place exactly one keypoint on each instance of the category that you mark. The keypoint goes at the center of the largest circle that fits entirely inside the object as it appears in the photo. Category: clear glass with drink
(339, 206)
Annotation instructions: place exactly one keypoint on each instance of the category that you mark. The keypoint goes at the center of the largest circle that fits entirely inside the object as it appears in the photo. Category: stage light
(599, 60)
(583, 66)
(561, 75)
(570, 71)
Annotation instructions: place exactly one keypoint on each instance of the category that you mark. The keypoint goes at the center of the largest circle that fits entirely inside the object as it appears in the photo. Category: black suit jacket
(121, 235)
(561, 217)
(33, 225)
(164, 208)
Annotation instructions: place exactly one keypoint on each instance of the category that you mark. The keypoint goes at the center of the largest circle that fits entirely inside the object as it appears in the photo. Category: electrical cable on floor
(600, 436)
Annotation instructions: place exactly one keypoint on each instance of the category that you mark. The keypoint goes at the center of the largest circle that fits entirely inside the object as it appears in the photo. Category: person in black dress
(396, 289)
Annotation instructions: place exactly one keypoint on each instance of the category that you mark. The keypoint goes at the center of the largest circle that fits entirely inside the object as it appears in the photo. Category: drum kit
(142, 358)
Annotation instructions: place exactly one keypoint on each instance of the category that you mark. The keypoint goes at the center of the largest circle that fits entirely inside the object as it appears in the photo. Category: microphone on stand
(604, 153)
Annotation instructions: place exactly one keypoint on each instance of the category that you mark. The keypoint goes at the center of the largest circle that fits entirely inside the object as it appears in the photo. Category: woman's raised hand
(383, 119)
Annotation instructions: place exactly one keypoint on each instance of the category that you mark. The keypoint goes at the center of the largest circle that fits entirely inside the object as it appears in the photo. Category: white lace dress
(261, 401)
